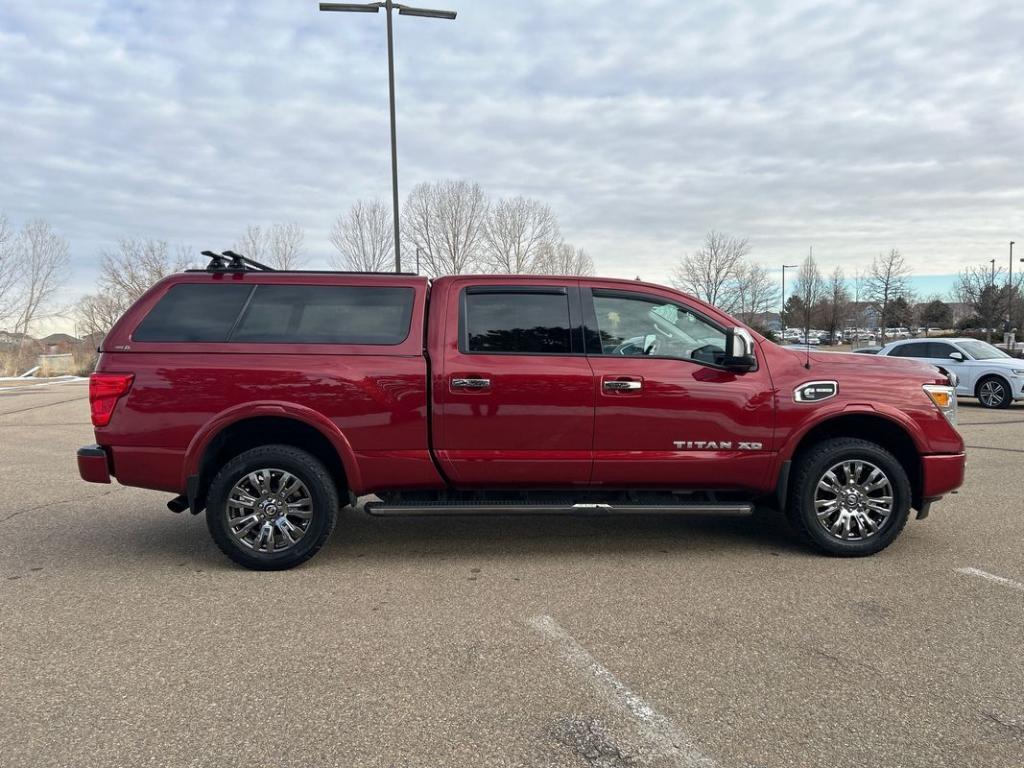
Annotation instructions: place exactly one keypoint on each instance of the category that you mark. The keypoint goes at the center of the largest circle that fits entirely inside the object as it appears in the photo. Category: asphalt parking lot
(127, 639)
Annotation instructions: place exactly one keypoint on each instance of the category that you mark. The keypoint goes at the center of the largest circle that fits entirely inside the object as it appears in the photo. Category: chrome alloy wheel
(853, 500)
(269, 510)
(991, 393)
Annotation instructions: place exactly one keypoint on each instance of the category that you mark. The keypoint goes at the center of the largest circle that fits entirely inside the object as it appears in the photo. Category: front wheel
(993, 392)
(272, 507)
(850, 497)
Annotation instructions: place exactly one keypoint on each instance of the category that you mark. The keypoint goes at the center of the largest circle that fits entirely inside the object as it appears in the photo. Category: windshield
(981, 350)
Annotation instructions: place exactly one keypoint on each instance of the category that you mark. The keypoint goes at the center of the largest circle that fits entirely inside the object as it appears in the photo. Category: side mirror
(739, 350)
(958, 356)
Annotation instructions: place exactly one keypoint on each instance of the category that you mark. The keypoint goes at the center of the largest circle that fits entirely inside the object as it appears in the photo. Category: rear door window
(915, 349)
(527, 321)
(941, 350)
(194, 312)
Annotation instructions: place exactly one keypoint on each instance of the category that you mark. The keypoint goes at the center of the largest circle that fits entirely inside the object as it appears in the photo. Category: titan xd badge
(815, 391)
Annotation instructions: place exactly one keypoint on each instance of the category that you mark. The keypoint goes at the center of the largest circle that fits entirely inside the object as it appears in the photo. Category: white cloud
(853, 126)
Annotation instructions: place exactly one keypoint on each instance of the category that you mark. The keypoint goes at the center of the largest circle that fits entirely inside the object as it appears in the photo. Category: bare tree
(986, 293)
(886, 281)
(97, 313)
(756, 292)
(446, 220)
(810, 287)
(518, 230)
(710, 273)
(837, 303)
(8, 273)
(364, 238)
(41, 259)
(279, 246)
(135, 265)
(563, 259)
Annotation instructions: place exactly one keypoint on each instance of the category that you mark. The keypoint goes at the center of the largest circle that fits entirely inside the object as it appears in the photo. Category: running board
(382, 509)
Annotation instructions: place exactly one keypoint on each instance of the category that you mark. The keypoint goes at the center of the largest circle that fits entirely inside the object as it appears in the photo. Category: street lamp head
(352, 7)
(404, 10)
(790, 266)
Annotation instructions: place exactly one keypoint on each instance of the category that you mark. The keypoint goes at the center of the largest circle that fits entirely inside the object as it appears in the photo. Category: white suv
(985, 372)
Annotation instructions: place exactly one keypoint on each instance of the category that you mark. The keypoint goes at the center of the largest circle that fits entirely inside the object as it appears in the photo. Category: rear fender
(197, 447)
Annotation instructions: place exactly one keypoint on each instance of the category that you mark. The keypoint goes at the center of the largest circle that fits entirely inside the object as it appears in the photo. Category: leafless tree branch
(364, 238)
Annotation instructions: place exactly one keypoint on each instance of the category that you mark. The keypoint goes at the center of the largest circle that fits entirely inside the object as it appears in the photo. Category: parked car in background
(867, 351)
(985, 372)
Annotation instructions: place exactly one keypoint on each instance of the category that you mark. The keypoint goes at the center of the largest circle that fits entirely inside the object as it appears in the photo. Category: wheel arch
(891, 433)
(990, 374)
(238, 430)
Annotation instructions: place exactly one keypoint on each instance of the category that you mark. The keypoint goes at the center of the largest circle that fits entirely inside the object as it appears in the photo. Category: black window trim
(593, 336)
(575, 317)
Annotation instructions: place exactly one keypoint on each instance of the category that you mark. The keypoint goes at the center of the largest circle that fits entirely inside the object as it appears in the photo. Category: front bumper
(94, 464)
(942, 474)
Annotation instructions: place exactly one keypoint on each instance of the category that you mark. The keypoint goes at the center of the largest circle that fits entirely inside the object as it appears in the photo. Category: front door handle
(470, 383)
(622, 386)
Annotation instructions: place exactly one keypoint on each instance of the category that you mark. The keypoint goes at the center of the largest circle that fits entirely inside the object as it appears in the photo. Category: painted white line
(991, 577)
(43, 384)
(669, 741)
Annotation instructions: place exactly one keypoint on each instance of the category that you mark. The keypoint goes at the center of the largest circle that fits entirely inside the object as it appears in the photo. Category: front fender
(201, 440)
(822, 415)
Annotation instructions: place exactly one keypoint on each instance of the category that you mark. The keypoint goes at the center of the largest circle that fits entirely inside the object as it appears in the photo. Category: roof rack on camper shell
(229, 261)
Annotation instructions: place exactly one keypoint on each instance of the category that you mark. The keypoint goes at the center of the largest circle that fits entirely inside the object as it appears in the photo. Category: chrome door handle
(471, 383)
(622, 386)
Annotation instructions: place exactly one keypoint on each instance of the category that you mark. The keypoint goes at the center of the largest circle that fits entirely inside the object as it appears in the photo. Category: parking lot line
(662, 733)
(991, 577)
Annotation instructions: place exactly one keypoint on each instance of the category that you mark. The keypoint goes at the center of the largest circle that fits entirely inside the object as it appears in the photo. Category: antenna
(807, 310)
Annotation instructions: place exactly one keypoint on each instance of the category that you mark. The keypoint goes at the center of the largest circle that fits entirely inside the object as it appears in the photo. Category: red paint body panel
(543, 421)
(534, 424)
(942, 474)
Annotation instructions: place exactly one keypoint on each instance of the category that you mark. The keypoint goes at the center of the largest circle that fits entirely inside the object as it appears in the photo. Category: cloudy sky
(852, 126)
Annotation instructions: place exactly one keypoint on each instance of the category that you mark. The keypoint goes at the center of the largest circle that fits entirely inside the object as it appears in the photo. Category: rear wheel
(850, 497)
(993, 392)
(271, 507)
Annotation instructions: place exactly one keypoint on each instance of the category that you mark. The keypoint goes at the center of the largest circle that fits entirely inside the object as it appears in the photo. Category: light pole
(782, 313)
(1009, 293)
(403, 10)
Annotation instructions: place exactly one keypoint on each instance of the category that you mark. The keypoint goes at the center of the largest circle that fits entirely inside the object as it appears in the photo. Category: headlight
(944, 398)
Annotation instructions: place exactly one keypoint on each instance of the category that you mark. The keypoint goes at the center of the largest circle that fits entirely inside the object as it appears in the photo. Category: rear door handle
(470, 383)
(622, 386)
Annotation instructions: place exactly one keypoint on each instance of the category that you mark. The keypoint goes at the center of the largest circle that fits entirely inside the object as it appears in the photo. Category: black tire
(999, 394)
(811, 467)
(322, 497)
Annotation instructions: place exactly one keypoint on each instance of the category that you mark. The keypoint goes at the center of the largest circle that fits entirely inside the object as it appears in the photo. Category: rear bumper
(942, 474)
(94, 464)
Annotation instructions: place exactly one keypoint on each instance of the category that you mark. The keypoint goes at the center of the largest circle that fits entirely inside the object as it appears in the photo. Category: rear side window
(326, 314)
(189, 312)
(918, 349)
(523, 322)
(280, 314)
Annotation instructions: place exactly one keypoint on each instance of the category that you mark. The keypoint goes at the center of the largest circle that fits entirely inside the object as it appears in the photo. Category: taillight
(104, 391)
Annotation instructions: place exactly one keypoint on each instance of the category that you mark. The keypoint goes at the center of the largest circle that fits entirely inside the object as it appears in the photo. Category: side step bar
(484, 508)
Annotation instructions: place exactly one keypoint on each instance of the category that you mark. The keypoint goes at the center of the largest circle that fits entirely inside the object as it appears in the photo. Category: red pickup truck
(271, 398)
